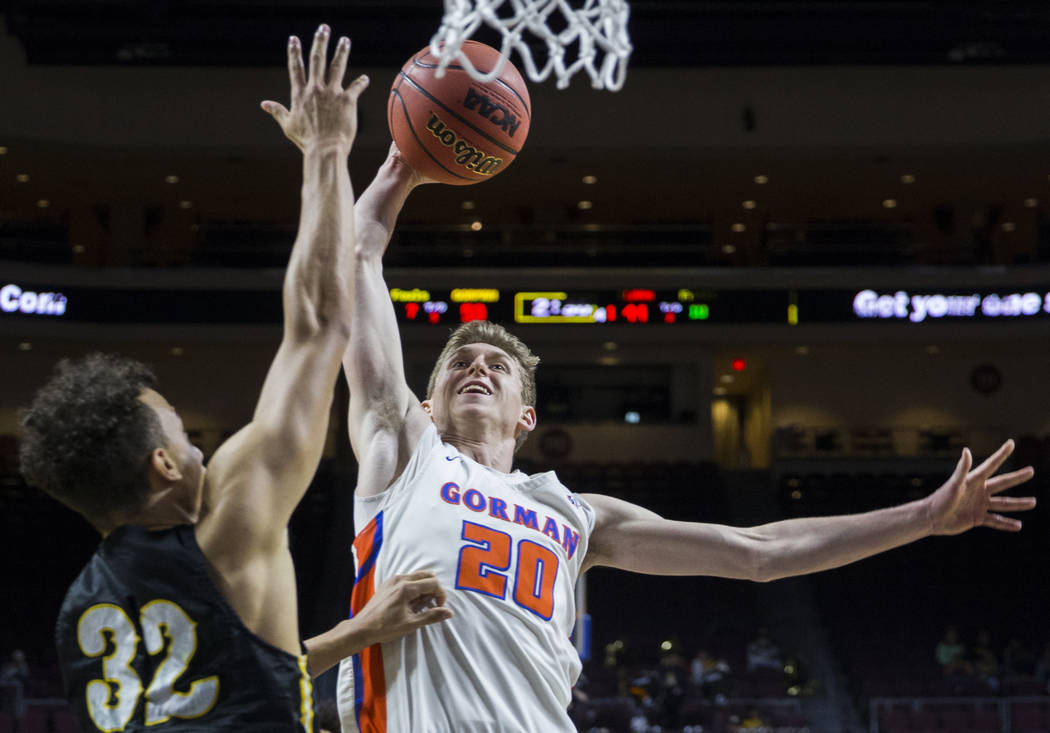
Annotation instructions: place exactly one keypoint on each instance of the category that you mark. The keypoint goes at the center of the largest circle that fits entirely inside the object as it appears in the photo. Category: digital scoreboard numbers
(456, 306)
(628, 306)
(637, 305)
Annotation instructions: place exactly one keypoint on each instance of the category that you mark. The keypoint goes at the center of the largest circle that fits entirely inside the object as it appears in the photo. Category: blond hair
(486, 332)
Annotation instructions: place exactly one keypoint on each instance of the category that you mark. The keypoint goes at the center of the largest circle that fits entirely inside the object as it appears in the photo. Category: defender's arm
(256, 478)
(400, 605)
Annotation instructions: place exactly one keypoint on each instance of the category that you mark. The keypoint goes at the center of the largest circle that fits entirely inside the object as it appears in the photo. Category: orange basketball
(456, 129)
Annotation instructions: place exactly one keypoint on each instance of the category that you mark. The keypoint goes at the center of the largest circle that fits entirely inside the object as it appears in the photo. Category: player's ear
(527, 421)
(427, 406)
(163, 466)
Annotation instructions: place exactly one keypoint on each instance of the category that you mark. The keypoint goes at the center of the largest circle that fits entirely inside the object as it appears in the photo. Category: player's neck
(162, 510)
(492, 451)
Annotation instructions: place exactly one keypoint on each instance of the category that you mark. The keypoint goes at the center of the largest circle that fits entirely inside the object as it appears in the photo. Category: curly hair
(87, 437)
(486, 332)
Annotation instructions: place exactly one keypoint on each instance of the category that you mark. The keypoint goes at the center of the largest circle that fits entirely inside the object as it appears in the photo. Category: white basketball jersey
(507, 548)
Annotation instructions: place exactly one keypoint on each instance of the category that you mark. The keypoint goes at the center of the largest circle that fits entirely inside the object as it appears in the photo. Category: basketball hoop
(599, 28)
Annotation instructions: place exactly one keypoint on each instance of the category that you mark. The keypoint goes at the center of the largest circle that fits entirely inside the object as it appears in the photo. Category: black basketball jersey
(147, 642)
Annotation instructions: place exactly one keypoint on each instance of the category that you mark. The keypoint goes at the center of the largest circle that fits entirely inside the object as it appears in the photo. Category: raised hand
(970, 498)
(323, 113)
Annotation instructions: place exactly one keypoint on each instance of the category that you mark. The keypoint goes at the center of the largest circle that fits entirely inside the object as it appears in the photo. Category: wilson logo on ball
(492, 111)
(456, 129)
(466, 155)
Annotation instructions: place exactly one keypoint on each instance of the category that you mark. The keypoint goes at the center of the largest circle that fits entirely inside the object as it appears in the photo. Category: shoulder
(610, 510)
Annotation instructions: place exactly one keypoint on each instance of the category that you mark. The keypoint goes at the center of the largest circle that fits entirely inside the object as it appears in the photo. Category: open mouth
(475, 388)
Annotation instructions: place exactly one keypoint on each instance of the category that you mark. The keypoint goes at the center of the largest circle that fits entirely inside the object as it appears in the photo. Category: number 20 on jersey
(485, 566)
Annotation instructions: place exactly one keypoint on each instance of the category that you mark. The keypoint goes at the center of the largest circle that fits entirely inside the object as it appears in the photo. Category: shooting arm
(385, 418)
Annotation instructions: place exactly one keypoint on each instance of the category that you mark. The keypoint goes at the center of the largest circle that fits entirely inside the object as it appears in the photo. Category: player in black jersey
(185, 619)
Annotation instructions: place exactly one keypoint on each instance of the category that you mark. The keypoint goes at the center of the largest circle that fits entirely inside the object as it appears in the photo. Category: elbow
(311, 312)
(762, 562)
(368, 252)
(370, 241)
(761, 573)
(308, 323)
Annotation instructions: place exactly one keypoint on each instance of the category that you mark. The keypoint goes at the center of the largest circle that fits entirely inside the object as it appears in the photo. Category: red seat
(66, 722)
(955, 719)
(34, 721)
(1029, 718)
(922, 720)
(986, 721)
(894, 721)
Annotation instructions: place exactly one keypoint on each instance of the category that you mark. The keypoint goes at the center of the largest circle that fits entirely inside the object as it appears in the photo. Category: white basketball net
(599, 27)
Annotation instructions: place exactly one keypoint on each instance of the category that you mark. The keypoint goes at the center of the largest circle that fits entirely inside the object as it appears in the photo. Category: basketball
(456, 129)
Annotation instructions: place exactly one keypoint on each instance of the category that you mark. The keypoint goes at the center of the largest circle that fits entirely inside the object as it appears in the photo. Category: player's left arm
(400, 605)
(631, 538)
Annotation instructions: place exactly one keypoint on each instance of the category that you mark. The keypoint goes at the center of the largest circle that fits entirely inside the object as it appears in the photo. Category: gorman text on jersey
(497, 508)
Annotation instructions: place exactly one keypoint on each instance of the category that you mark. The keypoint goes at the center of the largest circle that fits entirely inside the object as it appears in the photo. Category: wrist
(362, 629)
(327, 146)
(402, 172)
(926, 516)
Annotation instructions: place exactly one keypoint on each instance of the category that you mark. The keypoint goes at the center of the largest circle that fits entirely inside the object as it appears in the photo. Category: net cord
(600, 28)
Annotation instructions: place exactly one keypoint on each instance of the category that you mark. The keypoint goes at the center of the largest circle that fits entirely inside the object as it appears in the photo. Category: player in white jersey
(435, 491)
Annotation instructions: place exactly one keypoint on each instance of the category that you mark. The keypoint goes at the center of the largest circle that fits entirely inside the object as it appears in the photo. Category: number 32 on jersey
(485, 567)
(111, 701)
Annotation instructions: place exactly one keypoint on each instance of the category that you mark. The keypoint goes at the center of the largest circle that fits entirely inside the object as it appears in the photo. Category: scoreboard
(629, 305)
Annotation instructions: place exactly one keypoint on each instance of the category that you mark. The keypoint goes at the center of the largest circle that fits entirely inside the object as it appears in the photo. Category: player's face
(478, 380)
(189, 459)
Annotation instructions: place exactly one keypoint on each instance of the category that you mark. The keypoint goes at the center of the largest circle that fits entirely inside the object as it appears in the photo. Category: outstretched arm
(257, 477)
(385, 418)
(631, 538)
(400, 605)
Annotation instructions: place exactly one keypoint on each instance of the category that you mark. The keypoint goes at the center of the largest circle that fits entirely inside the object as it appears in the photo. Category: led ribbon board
(25, 301)
(925, 305)
(634, 307)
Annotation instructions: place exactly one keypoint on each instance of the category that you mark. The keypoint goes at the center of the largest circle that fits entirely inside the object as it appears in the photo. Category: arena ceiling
(664, 32)
(673, 182)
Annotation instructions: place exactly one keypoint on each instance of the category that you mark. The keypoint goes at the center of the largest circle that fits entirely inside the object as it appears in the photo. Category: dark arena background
(792, 268)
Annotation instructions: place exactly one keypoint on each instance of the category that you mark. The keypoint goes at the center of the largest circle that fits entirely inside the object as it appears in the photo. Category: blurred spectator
(985, 662)
(14, 674)
(762, 652)
(708, 673)
(1042, 668)
(751, 721)
(951, 654)
(15, 669)
(1018, 661)
(579, 708)
(670, 689)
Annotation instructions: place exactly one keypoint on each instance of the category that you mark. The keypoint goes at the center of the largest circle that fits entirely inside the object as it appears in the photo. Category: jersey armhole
(366, 507)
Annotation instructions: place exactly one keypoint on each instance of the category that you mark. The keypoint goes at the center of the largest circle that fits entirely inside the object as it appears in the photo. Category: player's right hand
(404, 169)
(323, 113)
(403, 604)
